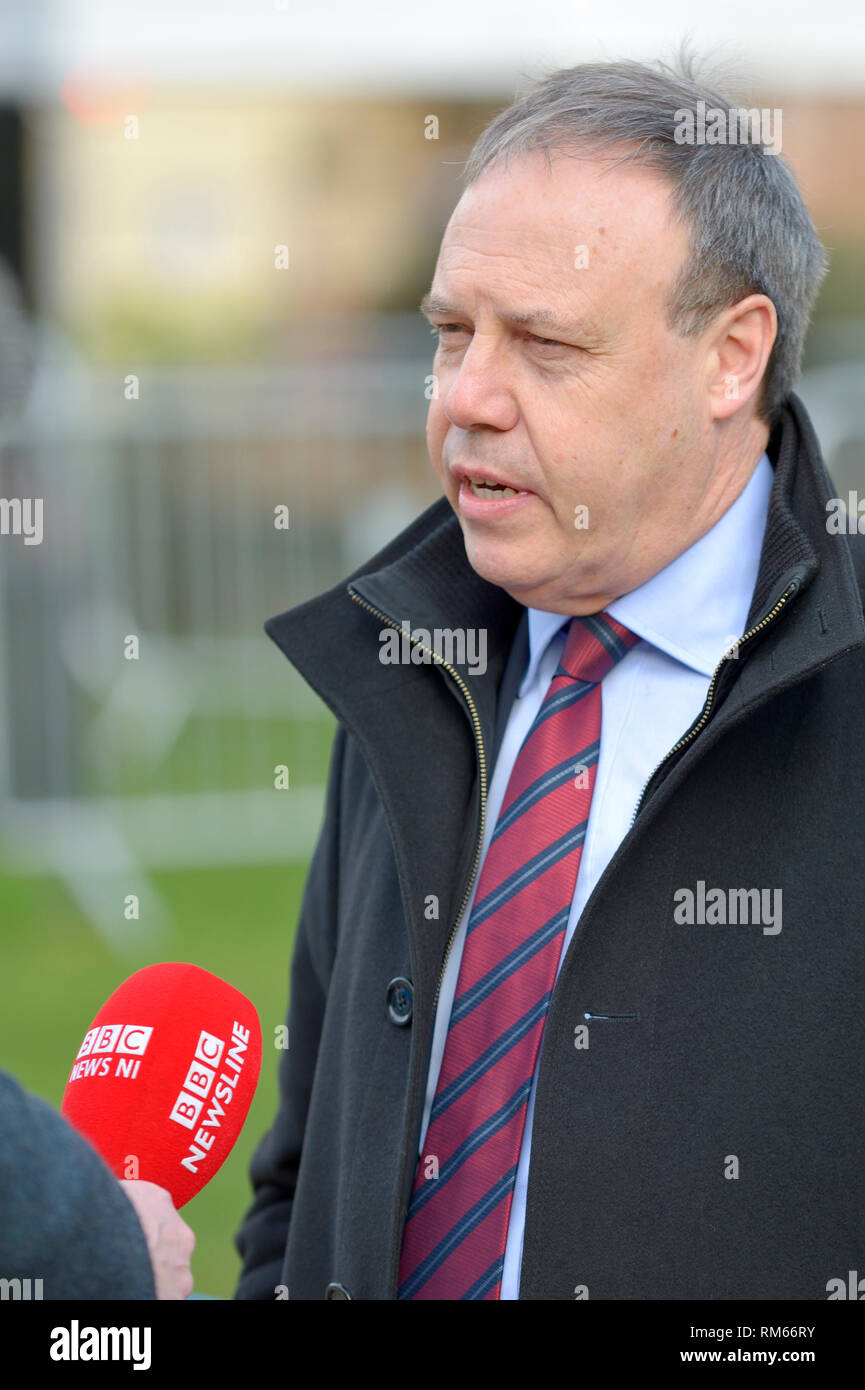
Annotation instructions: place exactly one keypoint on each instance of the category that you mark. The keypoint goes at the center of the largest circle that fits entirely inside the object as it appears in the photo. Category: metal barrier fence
(142, 708)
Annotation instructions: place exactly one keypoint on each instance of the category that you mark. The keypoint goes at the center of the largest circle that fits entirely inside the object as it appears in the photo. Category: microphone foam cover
(165, 1076)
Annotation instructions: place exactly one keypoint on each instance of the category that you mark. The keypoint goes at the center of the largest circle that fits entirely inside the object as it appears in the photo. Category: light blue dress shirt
(687, 615)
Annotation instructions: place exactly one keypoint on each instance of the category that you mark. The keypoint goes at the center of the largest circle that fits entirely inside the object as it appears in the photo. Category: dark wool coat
(64, 1219)
(708, 1141)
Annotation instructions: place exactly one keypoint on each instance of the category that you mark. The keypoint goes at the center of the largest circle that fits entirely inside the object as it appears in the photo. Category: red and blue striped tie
(456, 1230)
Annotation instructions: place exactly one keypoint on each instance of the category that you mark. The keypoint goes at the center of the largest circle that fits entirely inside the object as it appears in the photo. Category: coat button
(337, 1291)
(399, 1001)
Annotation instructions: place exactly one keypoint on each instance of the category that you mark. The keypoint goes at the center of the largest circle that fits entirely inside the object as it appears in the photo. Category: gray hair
(749, 229)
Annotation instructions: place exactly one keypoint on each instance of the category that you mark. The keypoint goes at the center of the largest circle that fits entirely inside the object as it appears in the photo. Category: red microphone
(165, 1076)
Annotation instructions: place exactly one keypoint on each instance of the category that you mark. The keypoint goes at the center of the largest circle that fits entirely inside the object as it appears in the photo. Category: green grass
(237, 922)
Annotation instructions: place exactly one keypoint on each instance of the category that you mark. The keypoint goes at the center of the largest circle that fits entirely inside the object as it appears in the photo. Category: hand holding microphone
(169, 1240)
(161, 1086)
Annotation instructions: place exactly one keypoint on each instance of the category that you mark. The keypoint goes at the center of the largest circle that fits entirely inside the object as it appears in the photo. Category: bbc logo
(131, 1039)
(199, 1079)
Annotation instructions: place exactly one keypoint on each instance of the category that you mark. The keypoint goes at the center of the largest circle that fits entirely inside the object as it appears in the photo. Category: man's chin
(530, 583)
(519, 577)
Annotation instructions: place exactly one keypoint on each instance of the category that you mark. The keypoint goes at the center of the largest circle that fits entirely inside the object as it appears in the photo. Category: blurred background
(216, 223)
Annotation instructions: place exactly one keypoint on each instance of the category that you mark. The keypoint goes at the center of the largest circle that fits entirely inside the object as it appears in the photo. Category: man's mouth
(490, 490)
(485, 497)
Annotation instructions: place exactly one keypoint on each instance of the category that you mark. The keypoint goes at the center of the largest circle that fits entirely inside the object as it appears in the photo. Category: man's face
(558, 377)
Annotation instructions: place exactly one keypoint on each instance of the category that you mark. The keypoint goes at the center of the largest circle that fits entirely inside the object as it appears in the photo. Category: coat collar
(825, 619)
(423, 577)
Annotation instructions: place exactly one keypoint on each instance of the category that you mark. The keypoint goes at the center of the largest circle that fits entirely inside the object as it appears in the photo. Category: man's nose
(482, 392)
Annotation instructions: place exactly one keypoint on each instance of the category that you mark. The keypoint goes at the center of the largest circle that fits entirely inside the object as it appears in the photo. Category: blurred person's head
(621, 317)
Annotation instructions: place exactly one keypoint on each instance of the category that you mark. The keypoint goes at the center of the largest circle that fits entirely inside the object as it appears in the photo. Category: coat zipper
(482, 763)
(710, 694)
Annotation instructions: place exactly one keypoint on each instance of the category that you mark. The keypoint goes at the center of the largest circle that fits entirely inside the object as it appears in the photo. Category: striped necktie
(456, 1230)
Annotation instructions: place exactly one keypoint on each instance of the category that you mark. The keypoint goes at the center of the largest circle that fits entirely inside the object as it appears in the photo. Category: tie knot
(593, 645)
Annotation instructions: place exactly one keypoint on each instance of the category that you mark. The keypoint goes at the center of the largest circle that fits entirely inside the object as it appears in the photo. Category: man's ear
(738, 347)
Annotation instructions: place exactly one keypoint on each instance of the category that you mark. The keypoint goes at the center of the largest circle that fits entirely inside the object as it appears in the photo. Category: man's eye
(444, 330)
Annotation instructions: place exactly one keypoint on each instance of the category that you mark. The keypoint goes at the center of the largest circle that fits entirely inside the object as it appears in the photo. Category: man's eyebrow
(531, 318)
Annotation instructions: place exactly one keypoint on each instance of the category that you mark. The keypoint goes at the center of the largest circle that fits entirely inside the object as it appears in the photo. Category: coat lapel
(413, 723)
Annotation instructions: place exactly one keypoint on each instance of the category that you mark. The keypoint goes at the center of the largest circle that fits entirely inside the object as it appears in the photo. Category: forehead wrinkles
(534, 264)
(493, 273)
(543, 244)
(536, 271)
(621, 215)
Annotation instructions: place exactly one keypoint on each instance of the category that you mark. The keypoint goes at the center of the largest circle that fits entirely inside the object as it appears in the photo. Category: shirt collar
(696, 606)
